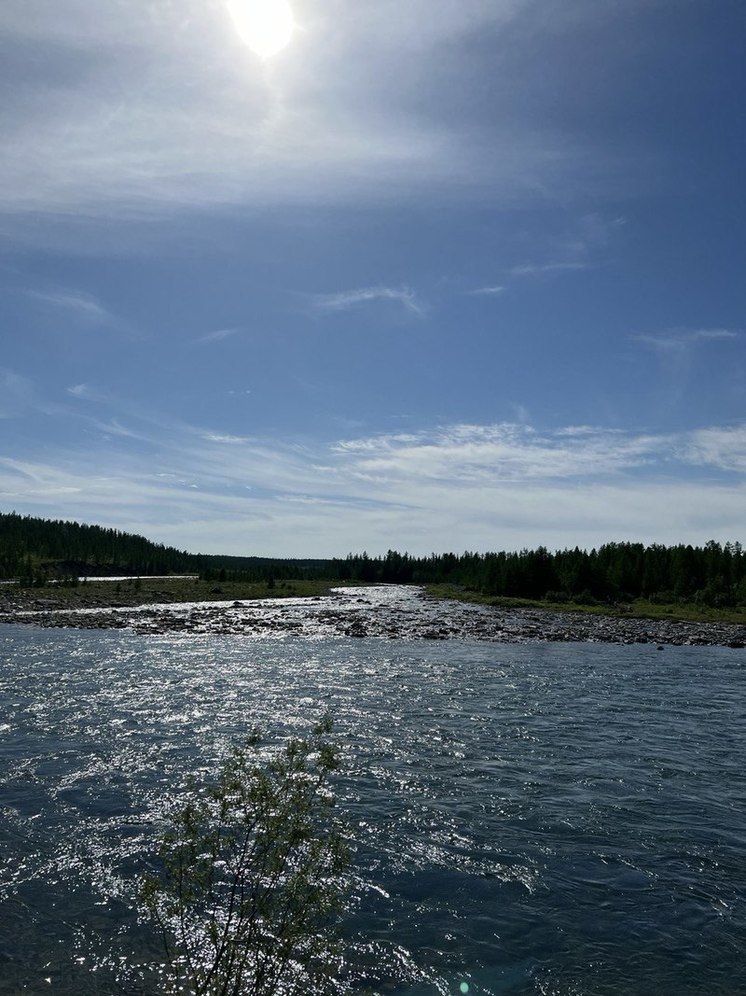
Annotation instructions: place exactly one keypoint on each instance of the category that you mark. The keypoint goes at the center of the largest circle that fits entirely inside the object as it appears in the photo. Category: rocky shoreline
(386, 611)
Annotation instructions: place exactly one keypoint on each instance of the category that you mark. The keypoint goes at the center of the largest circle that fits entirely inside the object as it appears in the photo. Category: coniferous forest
(34, 549)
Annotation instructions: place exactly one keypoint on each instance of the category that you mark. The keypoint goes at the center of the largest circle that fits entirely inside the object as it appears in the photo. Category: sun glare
(265, 25)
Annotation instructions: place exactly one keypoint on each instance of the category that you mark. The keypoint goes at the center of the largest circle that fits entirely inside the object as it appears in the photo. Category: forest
(712, 574)
(34, 550)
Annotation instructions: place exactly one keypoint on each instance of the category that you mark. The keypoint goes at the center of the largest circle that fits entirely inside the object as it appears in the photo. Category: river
(563, 819)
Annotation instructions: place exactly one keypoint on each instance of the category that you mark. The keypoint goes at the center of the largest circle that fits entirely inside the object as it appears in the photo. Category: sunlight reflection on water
(528, 819)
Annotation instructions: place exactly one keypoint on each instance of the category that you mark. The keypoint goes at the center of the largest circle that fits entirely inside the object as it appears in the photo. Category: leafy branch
(253, 877)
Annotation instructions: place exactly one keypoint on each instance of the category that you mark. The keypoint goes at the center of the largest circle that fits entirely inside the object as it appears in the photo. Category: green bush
(556, 596)
(253, 877)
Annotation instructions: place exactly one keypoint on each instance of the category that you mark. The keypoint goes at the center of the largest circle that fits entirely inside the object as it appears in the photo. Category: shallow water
(536, 818)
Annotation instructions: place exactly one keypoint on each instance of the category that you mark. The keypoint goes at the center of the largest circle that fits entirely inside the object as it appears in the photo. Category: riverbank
(385, 611)
(640, 608)
(132, 592)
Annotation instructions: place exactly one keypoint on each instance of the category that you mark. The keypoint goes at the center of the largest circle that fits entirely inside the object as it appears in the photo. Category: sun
(265, 25)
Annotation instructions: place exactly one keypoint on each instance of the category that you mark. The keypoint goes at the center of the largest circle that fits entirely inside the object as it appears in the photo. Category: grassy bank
(147, 591)
(639, 609)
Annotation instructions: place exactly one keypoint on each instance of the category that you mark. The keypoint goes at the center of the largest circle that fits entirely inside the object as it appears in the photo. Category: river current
(559, 819)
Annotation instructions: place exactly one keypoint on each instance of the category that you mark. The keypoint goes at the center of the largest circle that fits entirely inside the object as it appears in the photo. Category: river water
(559, 819)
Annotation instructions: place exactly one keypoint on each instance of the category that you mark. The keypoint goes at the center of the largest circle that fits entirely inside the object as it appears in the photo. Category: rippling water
(539, 818)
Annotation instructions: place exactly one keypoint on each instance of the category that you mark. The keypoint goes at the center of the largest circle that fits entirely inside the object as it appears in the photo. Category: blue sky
(439, 275)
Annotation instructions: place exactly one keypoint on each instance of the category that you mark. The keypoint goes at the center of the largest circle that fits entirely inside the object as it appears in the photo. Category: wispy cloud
(720, 447)
(348, 299)
(542, 269)
(20, 396)
(677, 340)
(217, 336)
(85, 392)
(578, 246)
(241, 133)
(115, 428)
(70, 308)
(491, 291)
(460, 486)
(678, 353)
(217, 437)
(83, 308)
(503, 452)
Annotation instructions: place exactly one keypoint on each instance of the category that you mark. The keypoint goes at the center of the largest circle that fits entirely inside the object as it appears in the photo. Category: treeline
(615, 572)
(265, 569)
(34, 548)
(713, 574)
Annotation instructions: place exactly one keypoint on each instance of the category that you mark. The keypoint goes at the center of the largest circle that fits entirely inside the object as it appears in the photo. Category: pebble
(385, 611)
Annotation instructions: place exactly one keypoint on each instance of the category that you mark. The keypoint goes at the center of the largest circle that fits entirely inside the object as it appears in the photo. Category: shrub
(586, 598)
(556, 596)
(253, 877)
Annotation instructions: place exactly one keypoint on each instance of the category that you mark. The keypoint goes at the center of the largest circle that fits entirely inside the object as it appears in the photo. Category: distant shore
(312, 608)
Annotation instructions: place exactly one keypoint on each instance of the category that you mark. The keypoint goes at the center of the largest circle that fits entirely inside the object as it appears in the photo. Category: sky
(437, 275)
